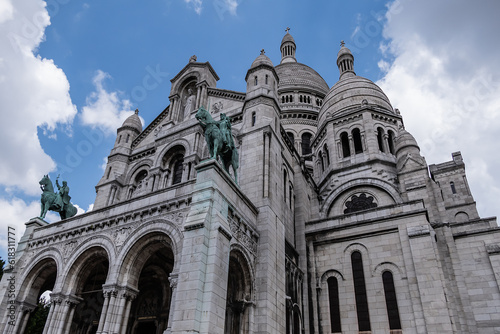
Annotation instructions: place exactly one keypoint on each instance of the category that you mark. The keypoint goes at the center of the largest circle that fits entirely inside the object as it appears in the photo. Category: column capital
(128, 293)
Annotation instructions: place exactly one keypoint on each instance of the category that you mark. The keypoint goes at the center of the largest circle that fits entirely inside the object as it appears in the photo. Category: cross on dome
(342, 43)
(287, 29)
(262, 52)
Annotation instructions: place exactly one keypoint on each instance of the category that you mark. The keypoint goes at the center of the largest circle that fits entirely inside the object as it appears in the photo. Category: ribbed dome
(353, 92)
(287, 38)
(262, 59)
(134, 122)
(343, 51)
(297, 75)
(405, 140)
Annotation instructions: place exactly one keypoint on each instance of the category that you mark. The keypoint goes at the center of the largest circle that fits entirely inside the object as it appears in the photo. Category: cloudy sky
(71, 72)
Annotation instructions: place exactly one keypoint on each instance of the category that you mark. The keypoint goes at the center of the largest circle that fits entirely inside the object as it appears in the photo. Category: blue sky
(72, 71)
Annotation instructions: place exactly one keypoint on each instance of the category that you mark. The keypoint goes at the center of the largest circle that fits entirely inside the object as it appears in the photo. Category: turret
(288, 48)
(345, 62)
(261, 78)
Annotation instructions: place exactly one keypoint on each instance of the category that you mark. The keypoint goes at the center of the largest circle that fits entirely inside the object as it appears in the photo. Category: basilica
(332, 223)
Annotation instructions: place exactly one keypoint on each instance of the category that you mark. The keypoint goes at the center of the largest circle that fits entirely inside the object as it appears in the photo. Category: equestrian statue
(219, 139)
(58, 202)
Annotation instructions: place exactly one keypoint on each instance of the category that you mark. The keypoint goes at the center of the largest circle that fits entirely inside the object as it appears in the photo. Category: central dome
(293, 75)
(353, 92)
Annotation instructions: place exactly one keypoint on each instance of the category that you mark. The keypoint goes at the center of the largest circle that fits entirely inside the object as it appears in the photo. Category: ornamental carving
(359, 203)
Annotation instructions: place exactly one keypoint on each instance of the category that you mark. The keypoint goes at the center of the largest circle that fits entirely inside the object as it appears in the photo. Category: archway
(40, 281)
(151, 269)
(91, 275)
(238, 295)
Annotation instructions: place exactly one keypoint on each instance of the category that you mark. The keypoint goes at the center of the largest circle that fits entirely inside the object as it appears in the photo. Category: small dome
(296, 76)
(262, 59)
(343, 51)
(133, 121)
(287, 38)
(405, 140)
(352, 92)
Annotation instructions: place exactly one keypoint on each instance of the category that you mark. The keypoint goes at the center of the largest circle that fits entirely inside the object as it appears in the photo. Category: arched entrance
(90, 279)
(238, 295)
(153, 264)
(40, 280)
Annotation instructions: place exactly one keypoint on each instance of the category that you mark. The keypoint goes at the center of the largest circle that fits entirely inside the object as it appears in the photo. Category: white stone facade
(336, 223)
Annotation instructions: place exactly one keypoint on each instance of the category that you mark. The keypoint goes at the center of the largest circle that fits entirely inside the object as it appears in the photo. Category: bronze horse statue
(219, 140)
(58, 202)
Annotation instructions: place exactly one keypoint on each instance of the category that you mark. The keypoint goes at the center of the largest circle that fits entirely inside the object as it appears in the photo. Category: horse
(51, 201)
(216, 145)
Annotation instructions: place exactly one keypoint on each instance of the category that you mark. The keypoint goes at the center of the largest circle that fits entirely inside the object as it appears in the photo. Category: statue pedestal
(31, 225)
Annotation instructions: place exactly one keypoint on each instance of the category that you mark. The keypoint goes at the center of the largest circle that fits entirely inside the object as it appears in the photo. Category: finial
(193, 59)
(342, 43)
(137, 111)
(262, 52)
(287, 29)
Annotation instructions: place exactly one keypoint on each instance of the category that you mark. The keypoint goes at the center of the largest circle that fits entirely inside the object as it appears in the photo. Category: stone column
(351, 145)
(104, 310)
(26, 315)
(173, 284)
(198, 96)
(108, 320)
(204, 96)
(125, 296)
(129, 296)
(267, 148)
(52, 319)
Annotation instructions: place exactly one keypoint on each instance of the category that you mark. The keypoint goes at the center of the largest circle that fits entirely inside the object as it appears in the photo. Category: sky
(72, 71)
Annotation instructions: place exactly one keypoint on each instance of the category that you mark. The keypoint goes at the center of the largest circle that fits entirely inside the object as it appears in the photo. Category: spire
(288, 48)
(345, 61)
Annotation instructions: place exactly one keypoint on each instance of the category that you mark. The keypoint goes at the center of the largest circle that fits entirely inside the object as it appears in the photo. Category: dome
(133, 122)
(343, 51)
(262, 59)
(297, 75)
(353, 92)
(287, 38)
(404, 140)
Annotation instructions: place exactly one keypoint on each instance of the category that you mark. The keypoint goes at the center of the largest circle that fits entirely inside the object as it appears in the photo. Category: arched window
(267, 79)
(128, 137)
(391, 141)
(309, 99)
(356, 138)
(380, 139)
(327, 154)
(333, 298)
(360, 292)
(390, 300)
(254, 117)
(344, 140)
(286, 100)
(283, 99)
(300, 98)
(255, 80)
(177, 170)
(306, 143)
(452, 186)
(291, 98)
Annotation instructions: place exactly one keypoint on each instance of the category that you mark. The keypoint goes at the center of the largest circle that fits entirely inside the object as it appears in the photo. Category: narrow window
(285, 182)
(380, 139)
(286, 99)
(178, 166)
(360, 292)
(344, 139)
(267, 78)
(333, 297)
(291, 98)
(290, 192)
(309, 99)
(128, 137)
(306, 143)
(255, 80)
(322, 161)
(453, 189)
(327, 154)
(300, 98)
(282, 99)
(391, 301)
(356, 137)
(109, 172)
(120, 139)
(391, 141)
(253, 118)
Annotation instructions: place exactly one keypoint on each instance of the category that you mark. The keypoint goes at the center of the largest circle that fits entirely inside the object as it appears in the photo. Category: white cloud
(197, 5)
(105, 110)
(445, 79)
(231, 6)
(34, 93)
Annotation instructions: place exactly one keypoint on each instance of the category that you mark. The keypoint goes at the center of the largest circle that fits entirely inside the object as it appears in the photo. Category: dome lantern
(345, 62)
(288, 48)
